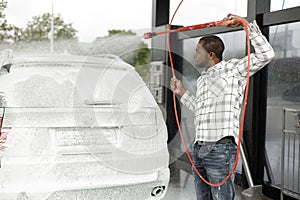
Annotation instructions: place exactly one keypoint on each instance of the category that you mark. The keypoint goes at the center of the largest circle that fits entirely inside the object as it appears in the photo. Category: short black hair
(214, 44)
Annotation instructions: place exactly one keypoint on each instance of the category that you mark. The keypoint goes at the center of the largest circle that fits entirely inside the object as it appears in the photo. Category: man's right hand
(177, 86)
(237, 20)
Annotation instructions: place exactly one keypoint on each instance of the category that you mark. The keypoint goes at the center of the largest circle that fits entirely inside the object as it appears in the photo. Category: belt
(224, 140)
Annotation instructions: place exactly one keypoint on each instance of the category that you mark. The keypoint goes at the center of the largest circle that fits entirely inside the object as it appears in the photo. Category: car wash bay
(271, 128)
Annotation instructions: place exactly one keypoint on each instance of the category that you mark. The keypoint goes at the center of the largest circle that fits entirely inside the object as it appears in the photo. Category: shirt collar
(215, 68)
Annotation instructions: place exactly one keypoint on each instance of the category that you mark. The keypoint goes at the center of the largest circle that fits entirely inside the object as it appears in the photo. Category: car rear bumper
(126, 189)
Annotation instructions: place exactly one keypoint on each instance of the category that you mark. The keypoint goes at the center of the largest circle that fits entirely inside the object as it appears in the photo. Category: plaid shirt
(220, 91)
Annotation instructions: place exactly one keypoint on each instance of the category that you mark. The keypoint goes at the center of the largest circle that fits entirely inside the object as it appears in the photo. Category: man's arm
(187, 99)
(263, 51)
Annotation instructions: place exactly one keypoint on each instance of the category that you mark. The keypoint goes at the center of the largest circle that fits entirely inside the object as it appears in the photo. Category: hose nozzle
(149, 35)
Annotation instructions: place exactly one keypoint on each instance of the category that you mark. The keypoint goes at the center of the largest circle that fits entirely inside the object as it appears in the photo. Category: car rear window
(67, 84)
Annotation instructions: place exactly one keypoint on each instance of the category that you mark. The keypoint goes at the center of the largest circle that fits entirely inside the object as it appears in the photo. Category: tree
(37, 30)
(142, 60)
(3, 22)
(120, 32)
(40, 27)
(7, 31)
(128, 46)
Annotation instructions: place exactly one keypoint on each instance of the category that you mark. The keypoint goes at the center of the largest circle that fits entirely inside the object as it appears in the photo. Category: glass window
(197, 12)
(283, 4)
(285, 40)
(283, 88)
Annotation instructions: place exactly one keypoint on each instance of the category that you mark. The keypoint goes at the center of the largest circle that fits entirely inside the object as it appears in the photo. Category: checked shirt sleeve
(188, 100)
(263, 53)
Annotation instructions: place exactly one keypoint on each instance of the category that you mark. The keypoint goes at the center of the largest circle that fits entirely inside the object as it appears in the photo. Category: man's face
(201, 56)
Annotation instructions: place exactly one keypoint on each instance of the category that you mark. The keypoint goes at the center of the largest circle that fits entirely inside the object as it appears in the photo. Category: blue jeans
(214, 162)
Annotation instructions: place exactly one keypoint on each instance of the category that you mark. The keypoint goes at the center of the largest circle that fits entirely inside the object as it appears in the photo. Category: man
(217, 106)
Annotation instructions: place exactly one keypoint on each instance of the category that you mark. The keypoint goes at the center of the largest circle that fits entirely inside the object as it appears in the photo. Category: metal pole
(269, 169)
(246, 168)
(298, 163)
(52, 31)
(282, 154)
(294, 158)
(254, 191)
(288, 160)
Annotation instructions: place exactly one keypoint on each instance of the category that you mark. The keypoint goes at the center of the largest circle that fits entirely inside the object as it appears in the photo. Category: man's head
(209, 51)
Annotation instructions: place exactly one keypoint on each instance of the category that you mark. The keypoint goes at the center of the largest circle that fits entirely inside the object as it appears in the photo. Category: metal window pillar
(160, 12)
(159, 52)
(255, 121)
(160, 21)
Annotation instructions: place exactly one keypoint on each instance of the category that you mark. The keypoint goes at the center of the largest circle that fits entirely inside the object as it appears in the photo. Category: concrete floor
(181, 187)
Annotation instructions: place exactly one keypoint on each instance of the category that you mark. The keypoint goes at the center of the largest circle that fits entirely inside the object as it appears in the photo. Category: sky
(91, 18)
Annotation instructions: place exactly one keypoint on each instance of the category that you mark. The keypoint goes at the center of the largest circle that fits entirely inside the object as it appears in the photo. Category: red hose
(243, 110)
(188, 28)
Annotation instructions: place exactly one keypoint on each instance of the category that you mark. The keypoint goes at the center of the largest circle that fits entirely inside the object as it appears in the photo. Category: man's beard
(203, 64)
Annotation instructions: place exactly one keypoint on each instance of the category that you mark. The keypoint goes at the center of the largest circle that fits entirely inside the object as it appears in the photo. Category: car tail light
(2, 137)
(3, 130)
(2, 134)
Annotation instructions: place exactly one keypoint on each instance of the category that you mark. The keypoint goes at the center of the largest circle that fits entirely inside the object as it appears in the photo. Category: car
(79, 127)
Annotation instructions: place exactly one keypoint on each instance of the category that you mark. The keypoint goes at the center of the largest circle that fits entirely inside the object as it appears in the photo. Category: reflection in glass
(283, 4)
(285, 40)
(283, 88)
(197, 12)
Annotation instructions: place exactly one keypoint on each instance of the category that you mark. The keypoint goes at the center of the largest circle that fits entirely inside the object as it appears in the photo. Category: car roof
(99, 60)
